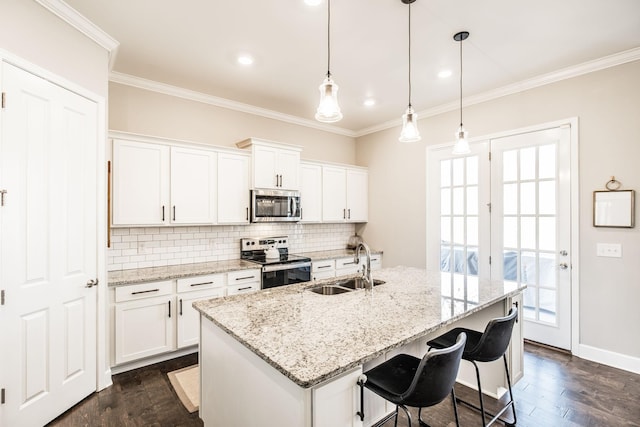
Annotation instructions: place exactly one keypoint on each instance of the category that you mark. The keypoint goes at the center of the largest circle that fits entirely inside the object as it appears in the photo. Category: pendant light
(462, 145)
(409, 131)
(328, 110)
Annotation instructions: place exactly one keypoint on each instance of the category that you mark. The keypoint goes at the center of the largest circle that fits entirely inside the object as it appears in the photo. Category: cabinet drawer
(198, 283)
(346, 263)
(325, 265)
(243, 288)
(144, 290)
(323, 274)
(243, 276)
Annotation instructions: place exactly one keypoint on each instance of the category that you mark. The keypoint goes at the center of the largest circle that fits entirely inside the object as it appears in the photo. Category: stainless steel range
(279, 268)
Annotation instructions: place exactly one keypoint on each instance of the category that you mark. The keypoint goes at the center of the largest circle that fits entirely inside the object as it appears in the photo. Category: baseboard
(609, 358)
(118, 369)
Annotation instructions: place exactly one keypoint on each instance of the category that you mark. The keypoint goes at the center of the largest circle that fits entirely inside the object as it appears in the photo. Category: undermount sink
(342, 286)
(329, 290)
(357, 283)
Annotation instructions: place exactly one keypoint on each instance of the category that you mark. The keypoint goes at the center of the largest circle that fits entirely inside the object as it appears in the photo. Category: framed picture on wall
(614, 208)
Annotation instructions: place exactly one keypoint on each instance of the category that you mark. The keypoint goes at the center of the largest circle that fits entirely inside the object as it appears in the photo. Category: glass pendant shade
(328, 110)
(409, 131)
(462, 145)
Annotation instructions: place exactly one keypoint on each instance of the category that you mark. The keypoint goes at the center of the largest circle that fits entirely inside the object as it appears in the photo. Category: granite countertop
(311, 338)
(152, 274)
(334, 254)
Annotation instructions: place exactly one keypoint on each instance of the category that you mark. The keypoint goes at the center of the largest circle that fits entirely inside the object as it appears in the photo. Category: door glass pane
(547, 305)
(472, 261)
(528, 268)
(445, 173)
(528, 198)
(547, 197)
(472, 230)
(528, 232)
(458, 171)
(528, 163)
(445, 201)
(458, 263)
(510, 233)
(510, 166)
(547, 236)
(472, 170)
(445, 229)
(547, 269)
(458, 201)
(510, 266)
(530, 303)
(458, 230)
(472, 200)
(510, 199)
(547, 168)
(445, 259)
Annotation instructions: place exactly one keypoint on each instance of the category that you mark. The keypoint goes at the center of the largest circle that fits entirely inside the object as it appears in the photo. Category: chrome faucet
(366, 273)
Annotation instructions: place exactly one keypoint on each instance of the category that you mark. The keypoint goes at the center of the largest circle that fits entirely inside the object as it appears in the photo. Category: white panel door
(233, 188)
(188, 326)
(48, 248)
(288, 168)
(265, 164)
(193, 186)
(531, 228)
(311, 192)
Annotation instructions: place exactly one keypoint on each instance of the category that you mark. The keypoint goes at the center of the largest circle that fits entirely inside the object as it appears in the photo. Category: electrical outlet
(613, 250)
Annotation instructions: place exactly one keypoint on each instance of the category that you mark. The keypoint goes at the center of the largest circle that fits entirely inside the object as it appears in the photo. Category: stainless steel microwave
(275, 206)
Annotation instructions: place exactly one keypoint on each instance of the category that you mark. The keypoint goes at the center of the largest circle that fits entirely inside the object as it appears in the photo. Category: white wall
(607, 104)
(150, 113)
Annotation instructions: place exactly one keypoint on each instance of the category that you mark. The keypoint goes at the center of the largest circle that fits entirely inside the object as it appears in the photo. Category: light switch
(613, 250)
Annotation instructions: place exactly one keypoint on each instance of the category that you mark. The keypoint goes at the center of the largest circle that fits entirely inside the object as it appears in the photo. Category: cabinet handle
(323, 266)
(144, 292)
(169, 309)
(347, 263)
(244, 278)
(174, 213)
(277, 180)
(200, 284)
(344, 214)
(247, 213)
(162, 213)
(244, 289)
(180, 306)
(348, 213)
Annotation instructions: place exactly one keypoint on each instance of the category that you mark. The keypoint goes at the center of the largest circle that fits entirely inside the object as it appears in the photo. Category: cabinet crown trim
(249, 142)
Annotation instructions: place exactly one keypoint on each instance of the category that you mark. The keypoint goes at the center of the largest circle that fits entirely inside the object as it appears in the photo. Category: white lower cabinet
(337, 402)
(243, 281)
(144, 322)
(192, 289)
(345, 266)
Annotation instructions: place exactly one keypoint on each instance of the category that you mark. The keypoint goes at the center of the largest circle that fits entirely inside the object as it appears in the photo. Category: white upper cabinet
(275, 166)
(311, 192)
(233, 188)
(140, 183)
(193, 186)
(344, 194)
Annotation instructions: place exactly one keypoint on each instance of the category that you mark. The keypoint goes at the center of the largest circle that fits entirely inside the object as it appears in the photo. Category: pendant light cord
(328, 38)
(461, 81)
(409, 26)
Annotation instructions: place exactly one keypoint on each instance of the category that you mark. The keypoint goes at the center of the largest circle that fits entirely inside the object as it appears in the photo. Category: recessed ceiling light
(245, 59)
(444, 74)
(369, 102)
(313, 2)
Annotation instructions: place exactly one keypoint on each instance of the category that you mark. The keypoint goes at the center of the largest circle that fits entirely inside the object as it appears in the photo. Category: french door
(503, 212)
(48, 251)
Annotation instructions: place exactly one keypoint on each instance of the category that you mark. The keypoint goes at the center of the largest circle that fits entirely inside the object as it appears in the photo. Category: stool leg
(511, 402)
(395, 424)
(406, 411)
(455, 407)
(484, 424)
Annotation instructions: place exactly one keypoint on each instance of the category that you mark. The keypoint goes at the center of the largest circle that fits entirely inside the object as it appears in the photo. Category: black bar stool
(409, 381)
(485, 347)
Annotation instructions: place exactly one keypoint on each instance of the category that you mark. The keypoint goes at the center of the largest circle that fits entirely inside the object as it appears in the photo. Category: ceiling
(193, 44)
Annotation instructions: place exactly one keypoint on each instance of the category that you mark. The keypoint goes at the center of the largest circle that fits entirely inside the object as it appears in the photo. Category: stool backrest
(495, 339)
(435, 375)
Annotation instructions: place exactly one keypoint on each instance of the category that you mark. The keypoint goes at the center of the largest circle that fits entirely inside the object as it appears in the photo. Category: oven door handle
(280, 267)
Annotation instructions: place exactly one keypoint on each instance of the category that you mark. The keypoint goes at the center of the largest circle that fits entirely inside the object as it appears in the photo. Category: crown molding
(524, 85)
(545, 79)
(72, 17)
(166, 89)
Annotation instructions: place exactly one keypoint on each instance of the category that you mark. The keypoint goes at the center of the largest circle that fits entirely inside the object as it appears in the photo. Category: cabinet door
(140, 183)
(288, 167)
(193, 186)
(357, 195)
(265, 167)
(334, 194)
(233, 188)
(311, 192)
(144, 328)
(188, 332)
(337, 402)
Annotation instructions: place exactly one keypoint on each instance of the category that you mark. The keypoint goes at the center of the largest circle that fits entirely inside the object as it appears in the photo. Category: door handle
(563, 266)
(91, 283)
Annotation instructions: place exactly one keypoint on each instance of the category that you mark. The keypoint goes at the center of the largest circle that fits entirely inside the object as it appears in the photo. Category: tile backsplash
(161, 246)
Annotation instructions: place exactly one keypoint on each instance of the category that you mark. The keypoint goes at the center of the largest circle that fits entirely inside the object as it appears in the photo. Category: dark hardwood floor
(557, 390)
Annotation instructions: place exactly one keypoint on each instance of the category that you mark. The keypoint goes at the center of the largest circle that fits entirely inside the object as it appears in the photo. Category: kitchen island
(290, 357)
